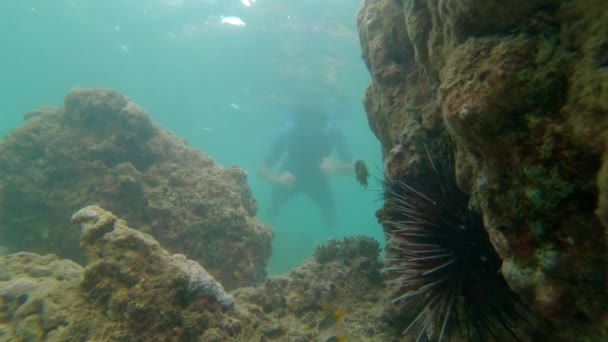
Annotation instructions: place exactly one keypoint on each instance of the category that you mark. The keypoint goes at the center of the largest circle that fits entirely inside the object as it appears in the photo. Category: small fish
(361, 173)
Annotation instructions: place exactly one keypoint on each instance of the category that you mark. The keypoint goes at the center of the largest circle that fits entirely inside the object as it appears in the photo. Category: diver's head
(309, 115)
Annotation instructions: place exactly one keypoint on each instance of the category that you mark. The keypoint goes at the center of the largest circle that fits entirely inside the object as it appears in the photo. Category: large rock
(147, 292)
(131, 289)
(38, 299)
(519, 88)
(101, 148)
(134, 290)
(339, 294)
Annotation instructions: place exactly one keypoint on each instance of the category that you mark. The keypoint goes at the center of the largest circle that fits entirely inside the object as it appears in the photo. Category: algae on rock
(134, 290)
(520, 89)
(101, 148)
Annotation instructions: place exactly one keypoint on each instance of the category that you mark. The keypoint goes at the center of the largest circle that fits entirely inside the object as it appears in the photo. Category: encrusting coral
(133, 289)
(102, 148)
(519, 88)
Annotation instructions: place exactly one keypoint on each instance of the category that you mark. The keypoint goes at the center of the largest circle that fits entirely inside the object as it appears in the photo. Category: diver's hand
(327, 165)
(286, 179)
(336, 167)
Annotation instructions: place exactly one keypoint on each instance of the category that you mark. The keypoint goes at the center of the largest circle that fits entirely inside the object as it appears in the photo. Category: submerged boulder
(337, 295)
(131, 289)
(134, 290)
(101, 148)
(140, 286)
(39, 299)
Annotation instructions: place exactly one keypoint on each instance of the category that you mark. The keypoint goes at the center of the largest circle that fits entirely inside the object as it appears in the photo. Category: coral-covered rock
(142, 287)
(40, 300)
(519, 90)
(101, 148)
(131, 289)
(338, 294)
(134, 290)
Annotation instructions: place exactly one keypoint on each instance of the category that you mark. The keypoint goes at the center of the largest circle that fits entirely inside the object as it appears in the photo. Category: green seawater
(223, 87)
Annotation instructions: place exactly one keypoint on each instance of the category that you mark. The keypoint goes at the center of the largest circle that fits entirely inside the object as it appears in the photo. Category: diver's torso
(305, 151)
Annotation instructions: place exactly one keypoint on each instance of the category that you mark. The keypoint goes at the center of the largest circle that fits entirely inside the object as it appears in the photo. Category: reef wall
(518, 91)
(101, 148)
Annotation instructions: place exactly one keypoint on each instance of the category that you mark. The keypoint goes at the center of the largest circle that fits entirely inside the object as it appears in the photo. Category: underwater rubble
(132, 289)
(101, 148)
(512, 95)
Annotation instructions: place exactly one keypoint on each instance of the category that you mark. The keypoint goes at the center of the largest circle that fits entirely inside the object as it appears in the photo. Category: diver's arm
(267, 174)
(345, 165)
(346, 168)
(338, 167)
(276, 151)
(285, 179)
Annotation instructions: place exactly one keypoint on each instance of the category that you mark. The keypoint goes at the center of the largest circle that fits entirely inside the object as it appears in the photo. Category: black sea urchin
(444, 259)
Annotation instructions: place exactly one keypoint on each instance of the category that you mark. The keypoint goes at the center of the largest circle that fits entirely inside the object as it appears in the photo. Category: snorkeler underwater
(199, 170)
(307, 144)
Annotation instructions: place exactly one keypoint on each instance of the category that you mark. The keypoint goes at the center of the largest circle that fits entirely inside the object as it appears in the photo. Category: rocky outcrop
(147, 292)
(39, 299)
(101, 148)
(134, 290)
(338, 295)
(514, 95)
(131, 289)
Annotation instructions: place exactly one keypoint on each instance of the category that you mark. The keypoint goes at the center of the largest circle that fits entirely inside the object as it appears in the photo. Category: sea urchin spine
(444, 259)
